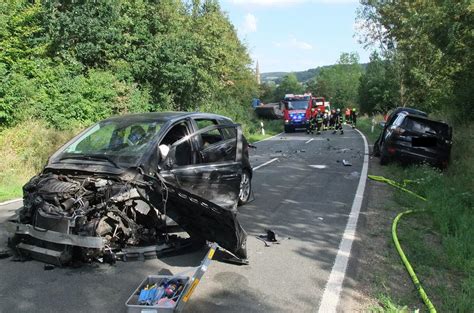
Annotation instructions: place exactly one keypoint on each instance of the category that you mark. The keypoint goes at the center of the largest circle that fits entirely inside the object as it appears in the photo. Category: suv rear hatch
(428, 137)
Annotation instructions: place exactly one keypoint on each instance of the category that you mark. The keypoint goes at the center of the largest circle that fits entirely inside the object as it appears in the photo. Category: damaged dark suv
(138, 184)
(409, 136)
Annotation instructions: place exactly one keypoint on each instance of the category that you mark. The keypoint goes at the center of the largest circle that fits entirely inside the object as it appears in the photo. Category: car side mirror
(164, 151)
(165, 158)
(382, 124)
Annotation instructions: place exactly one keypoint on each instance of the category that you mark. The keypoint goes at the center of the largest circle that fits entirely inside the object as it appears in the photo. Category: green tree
(379, 87)
(267, 92)
(104, 57)
(339, 83)
(289, 84)
(434, 43)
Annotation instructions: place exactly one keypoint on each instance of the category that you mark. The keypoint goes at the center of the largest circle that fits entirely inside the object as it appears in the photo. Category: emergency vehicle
(298, 110)
(295, 111)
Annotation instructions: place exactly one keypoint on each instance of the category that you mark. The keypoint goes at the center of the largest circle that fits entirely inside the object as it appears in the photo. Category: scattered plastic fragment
(318, 166)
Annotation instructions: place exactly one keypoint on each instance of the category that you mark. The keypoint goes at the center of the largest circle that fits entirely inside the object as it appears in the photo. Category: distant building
(257, 73)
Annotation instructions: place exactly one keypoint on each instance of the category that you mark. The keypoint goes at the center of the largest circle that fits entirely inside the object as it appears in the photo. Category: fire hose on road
(404, 258)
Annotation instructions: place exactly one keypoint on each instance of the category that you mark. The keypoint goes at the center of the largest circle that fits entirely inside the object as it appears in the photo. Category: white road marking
(318, 166)
(268, 138)
(332, 291)
(11, 201)
(309, 140)
(266, 163)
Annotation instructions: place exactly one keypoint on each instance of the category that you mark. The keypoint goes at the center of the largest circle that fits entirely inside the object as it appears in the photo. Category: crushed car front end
(86, 207)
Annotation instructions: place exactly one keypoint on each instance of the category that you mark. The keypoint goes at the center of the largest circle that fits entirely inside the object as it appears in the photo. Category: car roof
(165, 116)
(425, 118)
(411, 111)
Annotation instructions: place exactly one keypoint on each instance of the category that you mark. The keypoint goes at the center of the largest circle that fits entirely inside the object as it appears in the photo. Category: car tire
(245, 188)
(384, 159)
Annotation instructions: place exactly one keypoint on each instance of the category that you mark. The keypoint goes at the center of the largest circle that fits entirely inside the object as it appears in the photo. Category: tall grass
(450, 201)
(24, 150)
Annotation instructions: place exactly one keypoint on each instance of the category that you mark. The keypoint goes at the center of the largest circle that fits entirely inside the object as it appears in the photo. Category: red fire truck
(298, 110)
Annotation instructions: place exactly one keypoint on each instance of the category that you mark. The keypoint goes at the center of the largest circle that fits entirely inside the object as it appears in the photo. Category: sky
(295, 35)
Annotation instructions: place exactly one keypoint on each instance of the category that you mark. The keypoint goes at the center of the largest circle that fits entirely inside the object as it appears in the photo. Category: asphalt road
(305, 197)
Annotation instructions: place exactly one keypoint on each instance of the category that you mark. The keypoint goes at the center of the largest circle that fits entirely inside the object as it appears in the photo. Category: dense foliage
(75, 62)
(431, 47)
(379, 89)
(339, 83)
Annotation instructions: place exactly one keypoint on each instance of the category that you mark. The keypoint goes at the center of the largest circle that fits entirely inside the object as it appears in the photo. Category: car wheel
(245, 188)
(383, 159)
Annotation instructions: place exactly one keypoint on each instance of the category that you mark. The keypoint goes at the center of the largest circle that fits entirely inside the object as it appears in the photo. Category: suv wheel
(245, 188)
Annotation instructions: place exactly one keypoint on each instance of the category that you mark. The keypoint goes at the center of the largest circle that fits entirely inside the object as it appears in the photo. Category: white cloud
(269, 3)
(294, 43)
(249, 25)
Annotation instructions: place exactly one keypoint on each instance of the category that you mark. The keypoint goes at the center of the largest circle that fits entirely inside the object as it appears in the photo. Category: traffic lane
(27, 287)
(308, 209)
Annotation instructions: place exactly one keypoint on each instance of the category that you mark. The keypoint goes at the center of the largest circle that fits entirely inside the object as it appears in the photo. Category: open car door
(212, 170)
(203, 191)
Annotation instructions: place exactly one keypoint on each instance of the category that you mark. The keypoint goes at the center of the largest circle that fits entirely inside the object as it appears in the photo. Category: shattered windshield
(119, 142)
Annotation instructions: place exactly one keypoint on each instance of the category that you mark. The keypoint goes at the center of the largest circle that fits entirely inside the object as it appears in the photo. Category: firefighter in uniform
(338, 122)
(325, 120)
(319, 121)
(348, 116)
(354, 117)
(332, 119)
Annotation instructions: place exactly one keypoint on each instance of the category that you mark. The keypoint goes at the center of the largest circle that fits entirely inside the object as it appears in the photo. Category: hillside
(302, 76)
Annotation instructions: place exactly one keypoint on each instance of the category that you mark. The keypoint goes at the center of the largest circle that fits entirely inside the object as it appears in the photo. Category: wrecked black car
(409, 136)
(135, 184)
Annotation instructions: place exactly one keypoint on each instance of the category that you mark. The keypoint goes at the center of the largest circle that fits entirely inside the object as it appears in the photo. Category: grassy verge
(25, 149)
(364, 124)
(272, 128)
(438, 244)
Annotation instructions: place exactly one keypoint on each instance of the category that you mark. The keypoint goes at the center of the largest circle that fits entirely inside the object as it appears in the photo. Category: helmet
(319, 110)
(353, 109)
(338, 110)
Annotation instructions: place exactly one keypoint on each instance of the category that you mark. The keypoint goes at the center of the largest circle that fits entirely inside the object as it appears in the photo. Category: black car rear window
(426, 126)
